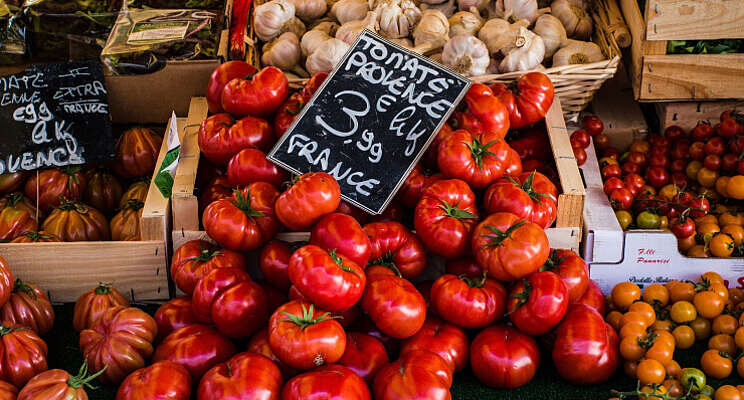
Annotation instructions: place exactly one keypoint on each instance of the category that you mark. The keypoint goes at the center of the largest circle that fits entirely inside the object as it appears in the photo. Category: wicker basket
(575, 85)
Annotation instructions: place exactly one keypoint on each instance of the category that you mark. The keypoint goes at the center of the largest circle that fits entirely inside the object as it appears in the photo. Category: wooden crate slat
(66, 270)
(693, 76)
(695, 19)
(687, 114)
(185, 203)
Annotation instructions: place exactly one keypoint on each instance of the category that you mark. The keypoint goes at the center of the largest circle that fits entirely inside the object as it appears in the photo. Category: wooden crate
(565, 234)
(138, 269)
(687, 114)
(621, 114)
(658, 76)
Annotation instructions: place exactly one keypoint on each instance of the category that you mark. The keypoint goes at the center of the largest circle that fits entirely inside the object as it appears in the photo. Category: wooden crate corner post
(185, 204)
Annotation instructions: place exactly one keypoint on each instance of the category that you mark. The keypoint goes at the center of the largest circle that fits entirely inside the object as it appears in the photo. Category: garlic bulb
(498, 34)
(349, 31)
(349, 10)
(575, 19)
(516, 9)
(466, 55)
(326, 56)
(493, 67)
(552, 32)
(447, 8)
(405, 42)
(310, 10)
(296, 26)
(578, 52)
(523, 54)
(397, 18)
(433, 1)
(316, 36)
(464, 5)
(432, 31)
(273, 18)
(465, 23)
(282, 52)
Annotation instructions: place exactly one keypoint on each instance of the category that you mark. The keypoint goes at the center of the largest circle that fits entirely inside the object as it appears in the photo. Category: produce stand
(658, 76)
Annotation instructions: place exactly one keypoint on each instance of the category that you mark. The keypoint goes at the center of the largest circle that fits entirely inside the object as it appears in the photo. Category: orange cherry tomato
(722, 245)
(715, 365)
(652, 390)
(736, 295)
(705, 227)
(707, 178)
(662, 325)
(624, 294)
(685, 336)
(692, 169)
(633, 317)
(740, 370)
(698, 251)
(739, 337)
(727, 392)
(660, 351)
(735, 187)
(640, 146)
(650, 371)
(630, 368)
(656, 294)
(720, 289)
(701, 327)
(666, 337)
(686, 244)
(644, 309)
(725, 323)
(679, 291)
(630, 349)
(708, 304)
(711, 276)
(683, 311)
(721, 185)
(673, 370)
(724, 343)
(730, 218)
(613, 318)
(674, 388)
(633, 329)
(735, 231)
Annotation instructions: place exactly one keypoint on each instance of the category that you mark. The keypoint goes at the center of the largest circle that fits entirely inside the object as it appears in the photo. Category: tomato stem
(243, 202)
(102, 288)
(82, 378)
(472, 282)
(522, 296)
(306, 319)
(340, 262)
(387, 261)
(20, 286)
(499, 236)
(479, 150)
(454, 212)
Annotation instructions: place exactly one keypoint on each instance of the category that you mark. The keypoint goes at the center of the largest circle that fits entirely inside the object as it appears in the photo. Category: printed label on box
(153, 32)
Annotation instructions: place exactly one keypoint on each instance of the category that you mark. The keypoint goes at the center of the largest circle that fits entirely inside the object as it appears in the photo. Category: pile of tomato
(688, 184)
(81, 203)
(653, 323)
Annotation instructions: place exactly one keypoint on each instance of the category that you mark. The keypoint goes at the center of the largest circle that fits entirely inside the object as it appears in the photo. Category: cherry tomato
(580, 138)
(621, 199)
(702, 131)
(683, 311)
(674, 132)
(624, 294)
(592, 124)
(716, 365)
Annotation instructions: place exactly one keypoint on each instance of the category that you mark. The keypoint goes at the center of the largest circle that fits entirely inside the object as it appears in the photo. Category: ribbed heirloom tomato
(274, 262)
(93, 303)
(174, 315)
(571, 269)
(418, 180)
(250, 165)
(17, 215)
(529, 195)
(503, 357)
(7, 391)
(415, 375)
(28, 306)
(468, 302)
(396, 247)
(75, 222)
(344, 234)
(104, 190)
(394, 305)
(23, 354)
(196, 258)
(537, 303)
(446, 340)
(295, 102)
(6, 281)
(136, 153)
(220, 77)
(312, 196)
(196, 347)
(245, 221)
(445, 217)
(528, 101)
(327, 382)
(12, 181)
(364, 354)
(54, 183)
(485, 113)
(57, 384)
(245, 376)
(305, 337)
(220, 137)
(162, 380)
(509, 248)
(478, 159)
(326, 278)
(258, 95)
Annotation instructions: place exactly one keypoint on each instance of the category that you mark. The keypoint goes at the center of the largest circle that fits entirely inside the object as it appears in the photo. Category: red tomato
(245, 376)
(396, 247)
(23, 354)
(715, 145)
(274, 262)
(6, 281)
(680, 150)
(700, 206)
(637, 158)
(218, 188)
(174, 315)
(246, 221)
(680, 180)
(682, 227)
(136, 153)
(529, 101)
(445, 217)
(446, 340)
(28, 306)
(581, 138)
(162, 380)
(679, 165)
(702, 131)
(50, 185)
(220, 77)
(312, 196)
(736, 145)
(728, 162)
(327, 382)
(660, 161)
(356, 213)
(259, 344)
(530, 196)
(729, 128)
(593, 297)
(196, 347)
(592, 124)
(538, 303)
(532, 143)
(291, 108)
(503, 357)
(304, 337)
(629, 168)
(250, 165)
(416, 375)
(364, 354)
(464, 266)
(580, 155)
(508, 247)
(414, 185)
(572, 270)
(229, 298)
(674, 132)
(257, 95)
(196, 258)
(328, 279)
(121, 342)
(611, 170)
(601, 141)
(344, 234)
(393, 303)
(432, 152)
(93, 303)
(220, 138)
(393, 213)
(10, 182)
(468, 302)
(697, 151)
(657, 177)
(478, 159)
(57, 384)
(485, 113)
(17, 215)
(586, 347)
(633, 182)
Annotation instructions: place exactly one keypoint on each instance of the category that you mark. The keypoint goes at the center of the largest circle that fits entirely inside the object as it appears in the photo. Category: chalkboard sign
(54, 115)
(371, 120)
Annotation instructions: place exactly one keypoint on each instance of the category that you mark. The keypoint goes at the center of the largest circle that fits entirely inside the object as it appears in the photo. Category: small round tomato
(613, 183)
(683, 311)
(712, 162)
(602, 141)
(621, 199)
(648, 220)
(723, 343)
(504, 357)
(630, 168)
(624, 294)
(682, 227)
(674, 132)
(715, 146)
(678, 166)
(728, 392)
(721, 245)
(657, 176)
(650, 371)
(706, 177)
(716, 365)
(735, 187)
(692, 377)
(633, 182)
(684, 337)
(580, 155)
(656, 294)
(640, 146)
(702, 131)
(624, 218)
(610, 170)
(581, 138)
(637, 158)
(592, 124)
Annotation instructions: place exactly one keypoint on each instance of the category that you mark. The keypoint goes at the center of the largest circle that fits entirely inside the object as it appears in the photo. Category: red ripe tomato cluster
(340, 313)
(592, 127)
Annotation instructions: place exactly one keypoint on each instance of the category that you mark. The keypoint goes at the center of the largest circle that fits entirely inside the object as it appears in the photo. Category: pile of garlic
(473, 37)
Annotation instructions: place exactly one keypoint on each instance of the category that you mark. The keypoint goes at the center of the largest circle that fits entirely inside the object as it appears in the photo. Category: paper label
(164, 178)
(154, 32)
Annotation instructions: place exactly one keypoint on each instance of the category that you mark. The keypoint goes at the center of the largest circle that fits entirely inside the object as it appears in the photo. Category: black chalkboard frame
(271, 156)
